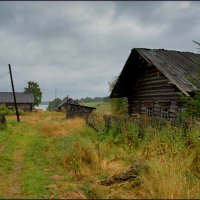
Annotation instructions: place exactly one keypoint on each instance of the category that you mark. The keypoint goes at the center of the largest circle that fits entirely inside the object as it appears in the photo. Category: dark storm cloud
(78, 47)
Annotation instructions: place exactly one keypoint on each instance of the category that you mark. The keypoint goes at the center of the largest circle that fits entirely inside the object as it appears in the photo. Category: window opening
(165, 112)
(150, 111)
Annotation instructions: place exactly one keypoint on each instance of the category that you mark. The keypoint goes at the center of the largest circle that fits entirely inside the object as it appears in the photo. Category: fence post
(185, 129)
(141, 128)
(2, 119)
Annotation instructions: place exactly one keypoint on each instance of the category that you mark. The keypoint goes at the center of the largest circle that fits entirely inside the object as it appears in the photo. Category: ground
(48, 156)
(36, 161)
(101, 106)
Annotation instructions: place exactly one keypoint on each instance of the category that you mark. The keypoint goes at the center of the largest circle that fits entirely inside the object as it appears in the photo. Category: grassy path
(30, 165)
(15, 142)
(46, 156)
(12, 160)
(12, 189)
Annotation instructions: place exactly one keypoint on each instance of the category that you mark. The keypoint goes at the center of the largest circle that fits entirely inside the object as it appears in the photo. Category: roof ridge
(165, 50)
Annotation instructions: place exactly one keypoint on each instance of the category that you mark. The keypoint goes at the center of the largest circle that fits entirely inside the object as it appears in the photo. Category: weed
(70, 188)
(85, 188)
(103, 176)
(51, 146)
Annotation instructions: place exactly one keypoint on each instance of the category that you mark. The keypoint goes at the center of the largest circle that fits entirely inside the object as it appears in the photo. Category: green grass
(34, 177)
(101, 107)
(8, 141)
(66, 162)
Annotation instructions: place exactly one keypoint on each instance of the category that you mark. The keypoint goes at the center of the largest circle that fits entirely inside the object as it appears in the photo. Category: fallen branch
(130, 174)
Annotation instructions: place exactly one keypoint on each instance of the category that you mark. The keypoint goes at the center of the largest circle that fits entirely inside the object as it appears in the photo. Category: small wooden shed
(74, 110)
(154, 79)
(63, 105)
(24, 100)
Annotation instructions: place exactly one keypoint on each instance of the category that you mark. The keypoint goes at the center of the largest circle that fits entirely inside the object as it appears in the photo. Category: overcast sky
(78, 47)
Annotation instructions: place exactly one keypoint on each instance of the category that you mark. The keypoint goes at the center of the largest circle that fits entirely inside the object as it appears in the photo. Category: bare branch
(196, 42)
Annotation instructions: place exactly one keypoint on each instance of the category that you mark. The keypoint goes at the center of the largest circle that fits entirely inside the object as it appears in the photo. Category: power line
(3, 66)
(19, 75)
(4, 75)
(4, 60)
(3, 63)
(3, 71)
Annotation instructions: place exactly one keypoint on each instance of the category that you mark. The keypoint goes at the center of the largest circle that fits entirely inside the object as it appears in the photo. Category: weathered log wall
(153, 90)
(26, 107)
(73, 110)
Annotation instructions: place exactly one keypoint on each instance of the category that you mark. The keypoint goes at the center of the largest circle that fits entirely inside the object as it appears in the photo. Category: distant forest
(95, 99)
(53, 104)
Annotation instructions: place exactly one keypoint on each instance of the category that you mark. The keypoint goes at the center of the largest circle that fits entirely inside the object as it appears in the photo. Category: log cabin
(24, 100)
(75, 110)
(63, 105)
(153, 81)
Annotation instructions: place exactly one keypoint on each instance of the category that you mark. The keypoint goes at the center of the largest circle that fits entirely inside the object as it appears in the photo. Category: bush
(118, 105)
(192, 106)
(4, 110)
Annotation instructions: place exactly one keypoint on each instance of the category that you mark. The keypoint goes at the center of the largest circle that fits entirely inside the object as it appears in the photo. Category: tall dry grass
(172, 170)
(53, 123)
(173, 163)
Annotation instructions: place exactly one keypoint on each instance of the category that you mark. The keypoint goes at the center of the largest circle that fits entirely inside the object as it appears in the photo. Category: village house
(63, 105)
(75, 110)
(24, 100)
(153, 81)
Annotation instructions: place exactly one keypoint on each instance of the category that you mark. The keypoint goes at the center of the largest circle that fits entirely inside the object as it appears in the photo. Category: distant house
(63, 105)
(75, 110)
(24, 101)
(153, 80)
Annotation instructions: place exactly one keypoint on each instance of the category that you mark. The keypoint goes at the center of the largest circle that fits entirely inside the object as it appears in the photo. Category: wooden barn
(24, 100)
(63, 105)
(154, 79)
(75, 110)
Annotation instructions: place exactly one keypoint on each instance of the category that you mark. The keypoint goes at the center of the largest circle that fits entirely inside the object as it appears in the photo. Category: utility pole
(55, 93)
(13, 89)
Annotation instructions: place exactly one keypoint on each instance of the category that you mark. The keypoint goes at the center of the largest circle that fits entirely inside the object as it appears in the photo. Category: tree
(118, 105)
(196, 43)
(34, 88)
(53, 104)
(192, 104)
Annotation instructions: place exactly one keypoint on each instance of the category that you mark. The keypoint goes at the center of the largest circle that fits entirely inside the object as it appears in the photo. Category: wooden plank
(154, 92)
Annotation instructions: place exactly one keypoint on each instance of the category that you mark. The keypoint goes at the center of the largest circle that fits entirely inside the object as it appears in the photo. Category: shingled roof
(67, 101)
(181, 68)
(7, 97)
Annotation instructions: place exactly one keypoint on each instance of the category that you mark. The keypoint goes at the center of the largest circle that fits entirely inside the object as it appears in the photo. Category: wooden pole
(13, 89)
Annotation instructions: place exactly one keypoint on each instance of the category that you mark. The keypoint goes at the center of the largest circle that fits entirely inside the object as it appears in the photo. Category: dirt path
(26, 154)
(11, 180)
(12, 189)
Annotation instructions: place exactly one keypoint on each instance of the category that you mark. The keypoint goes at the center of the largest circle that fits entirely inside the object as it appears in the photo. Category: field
(47, 156)
(101, 106)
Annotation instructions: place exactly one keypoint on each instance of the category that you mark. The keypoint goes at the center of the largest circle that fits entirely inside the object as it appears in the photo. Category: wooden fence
(141, 121)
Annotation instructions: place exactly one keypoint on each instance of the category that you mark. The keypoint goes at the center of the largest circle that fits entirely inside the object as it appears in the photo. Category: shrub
(192, 105)
(4, 110)
(118, 105)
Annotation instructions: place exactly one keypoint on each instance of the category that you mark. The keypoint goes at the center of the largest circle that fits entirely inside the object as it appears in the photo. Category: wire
(3, 65)
(3, 71)
(4, 75)
(4, 60)
(19, 75)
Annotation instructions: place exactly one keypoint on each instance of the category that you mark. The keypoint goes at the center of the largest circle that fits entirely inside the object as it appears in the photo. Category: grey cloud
(78, 47)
